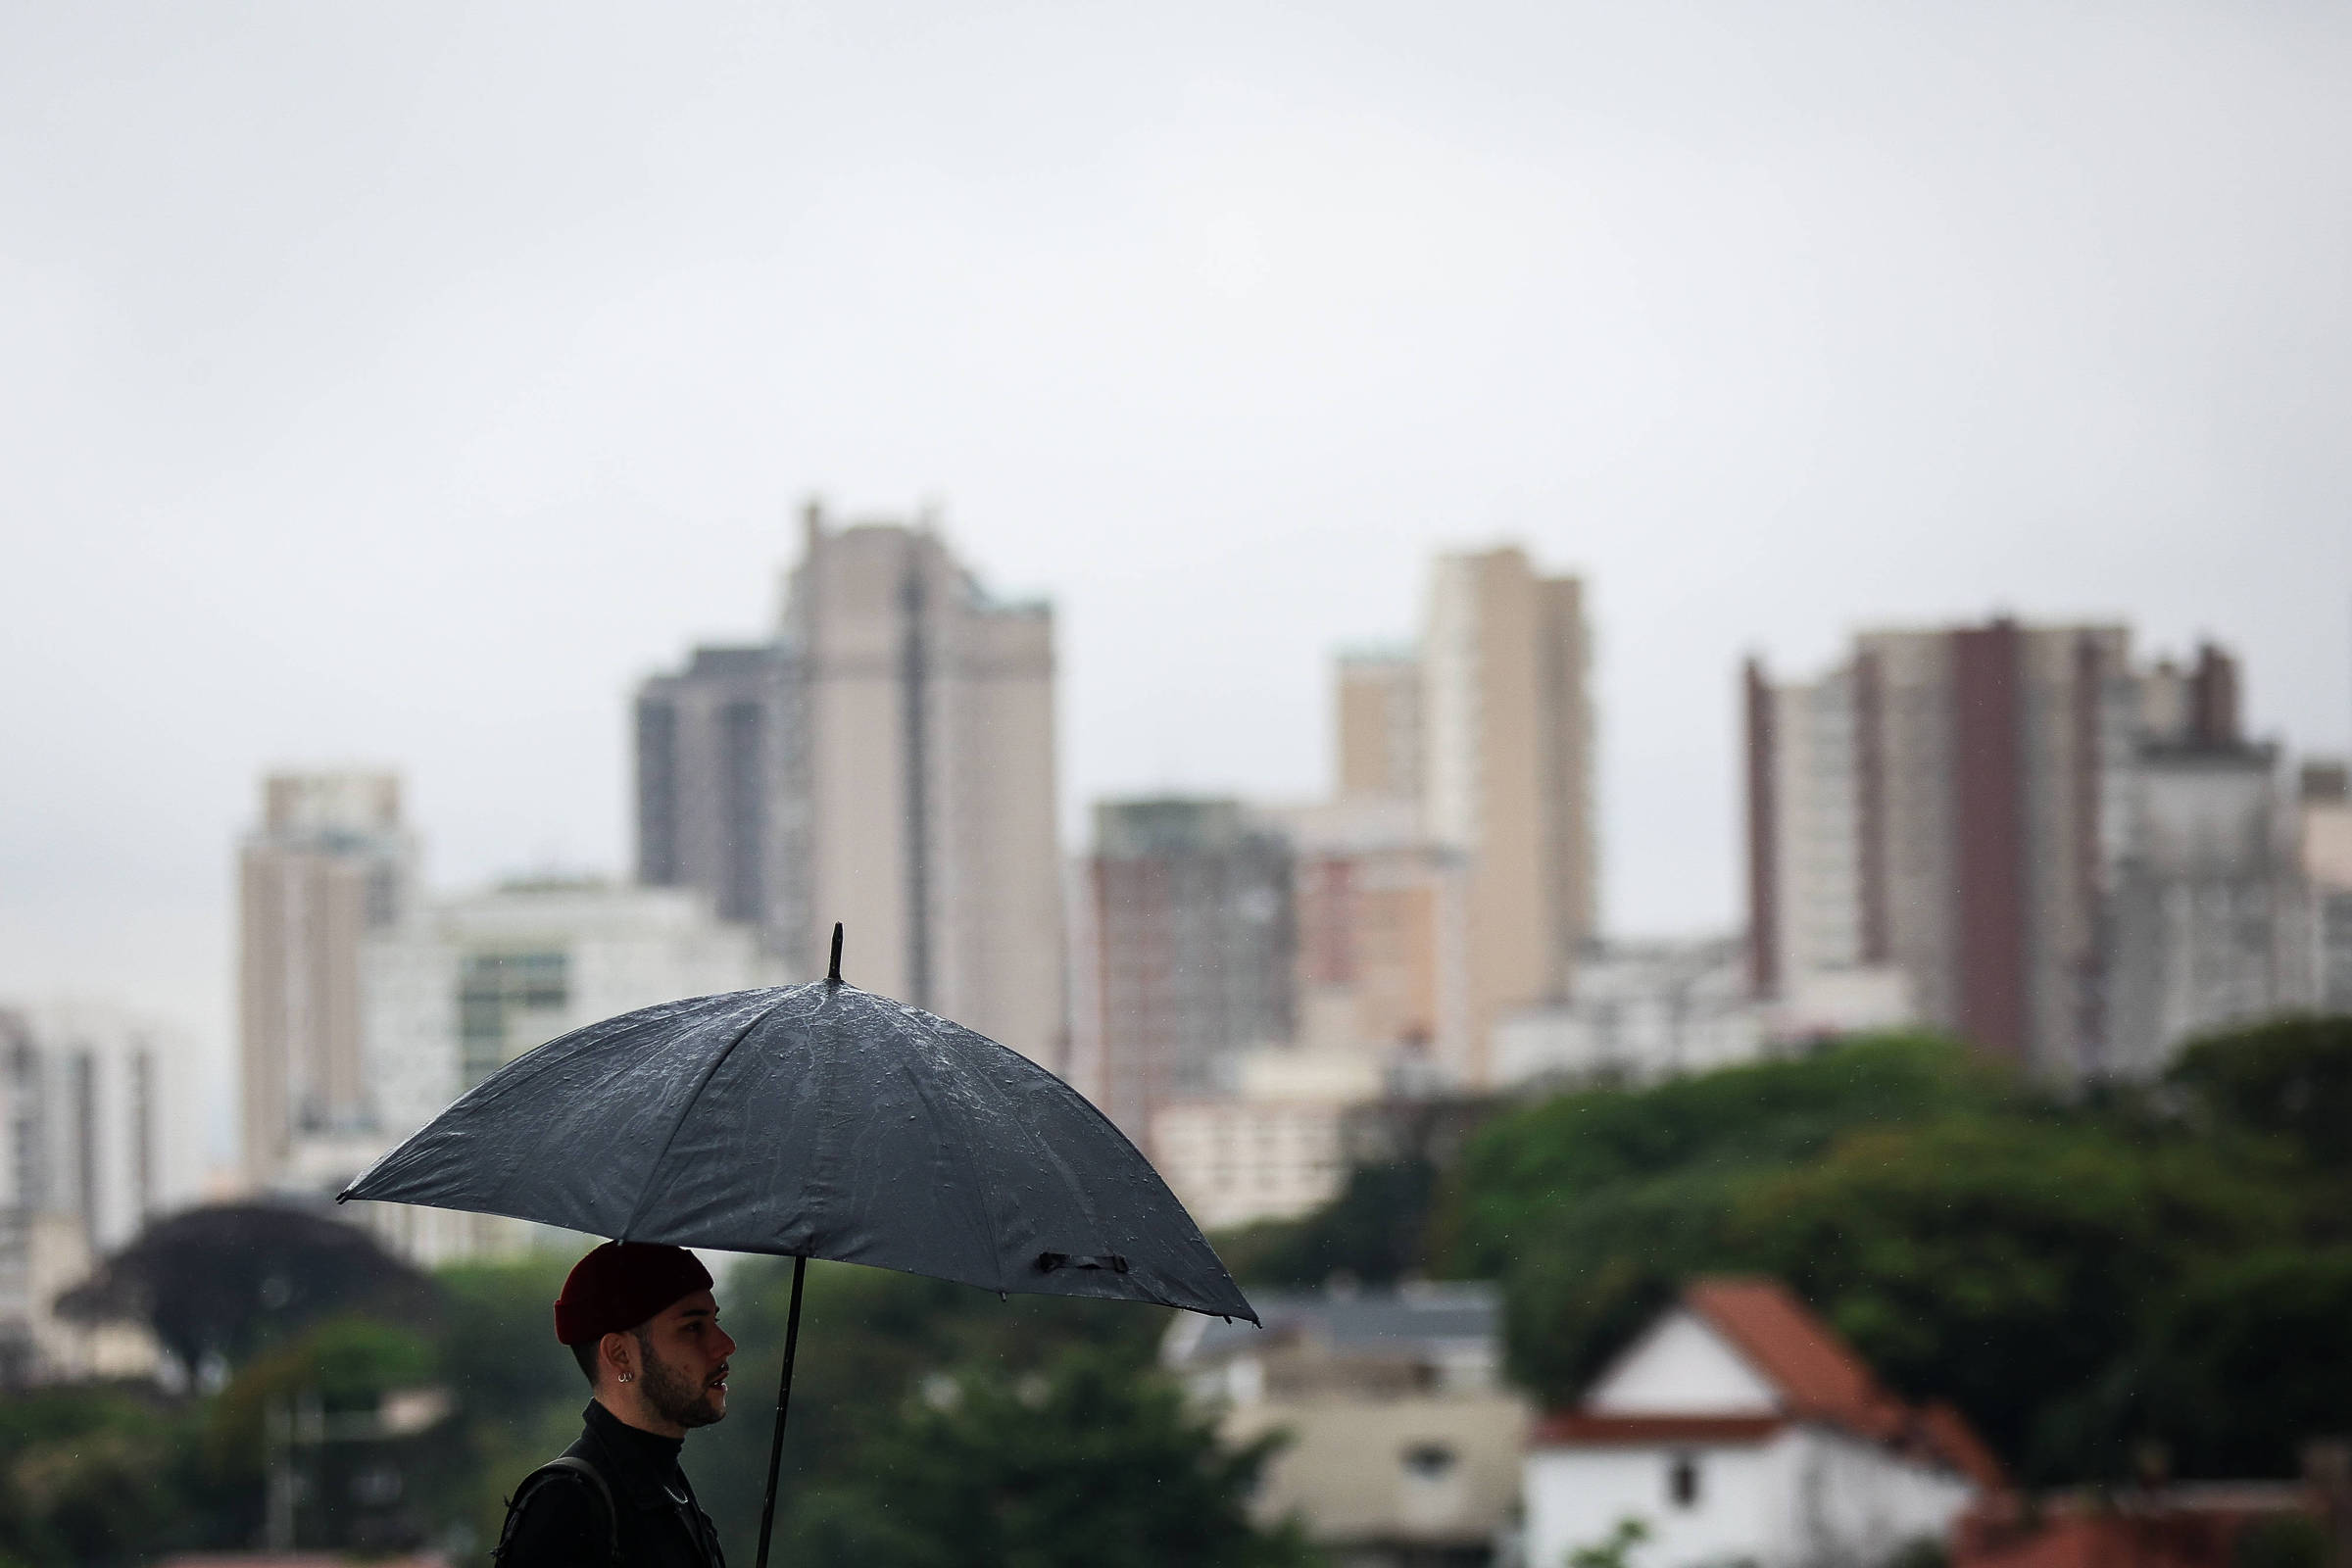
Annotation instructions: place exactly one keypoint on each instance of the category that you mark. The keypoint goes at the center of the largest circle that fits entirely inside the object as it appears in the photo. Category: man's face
(685, 1354)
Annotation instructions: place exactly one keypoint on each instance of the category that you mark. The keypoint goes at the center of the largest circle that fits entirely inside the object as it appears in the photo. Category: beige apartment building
(330, 863)
(929, 774)
(1507, 775)
(887, 761)
(1483, 735)
(1379, 724)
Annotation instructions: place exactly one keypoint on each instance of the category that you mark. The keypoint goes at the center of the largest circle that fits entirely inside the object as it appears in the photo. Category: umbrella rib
(687, 1109)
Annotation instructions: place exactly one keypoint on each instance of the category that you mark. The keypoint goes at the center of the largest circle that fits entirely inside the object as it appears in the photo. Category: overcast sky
(400, 384)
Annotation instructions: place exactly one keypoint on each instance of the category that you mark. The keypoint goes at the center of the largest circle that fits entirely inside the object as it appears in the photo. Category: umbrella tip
(834, 974)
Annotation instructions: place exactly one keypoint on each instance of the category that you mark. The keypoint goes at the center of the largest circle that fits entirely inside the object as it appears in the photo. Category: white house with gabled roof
(1739, 1429)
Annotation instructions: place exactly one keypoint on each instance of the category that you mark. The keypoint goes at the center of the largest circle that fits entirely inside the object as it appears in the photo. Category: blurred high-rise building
(1186, 946)
(2209, 909)
(1507, 769)
(1380, 915)
(94, 1141)
(465, 984)
(887, 762)
(1379, 724)
(329, 863)
(2324, 853)
(717, 748)
(1990, 828)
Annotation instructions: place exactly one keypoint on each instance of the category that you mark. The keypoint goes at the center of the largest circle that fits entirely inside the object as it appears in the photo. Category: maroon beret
(620, 1285)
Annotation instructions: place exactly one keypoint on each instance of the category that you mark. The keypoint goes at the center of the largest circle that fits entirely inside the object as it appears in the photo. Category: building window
(1682, 1481)
(491, 986)
(1429, 1461)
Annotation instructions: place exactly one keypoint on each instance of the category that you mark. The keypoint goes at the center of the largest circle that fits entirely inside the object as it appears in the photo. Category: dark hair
(585, 1351)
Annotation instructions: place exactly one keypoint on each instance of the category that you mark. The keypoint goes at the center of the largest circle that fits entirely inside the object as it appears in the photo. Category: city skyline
(492, 399)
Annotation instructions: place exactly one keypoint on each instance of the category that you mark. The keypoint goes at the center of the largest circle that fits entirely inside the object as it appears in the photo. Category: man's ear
(617, 1356)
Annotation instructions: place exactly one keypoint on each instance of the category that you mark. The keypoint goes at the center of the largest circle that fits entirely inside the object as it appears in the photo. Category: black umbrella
(816, 1121)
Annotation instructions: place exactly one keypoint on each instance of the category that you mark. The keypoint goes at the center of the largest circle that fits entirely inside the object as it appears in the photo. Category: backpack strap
(566, 1465)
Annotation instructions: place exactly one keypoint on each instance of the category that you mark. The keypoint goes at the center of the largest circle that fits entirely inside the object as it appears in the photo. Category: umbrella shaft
(775, 1449)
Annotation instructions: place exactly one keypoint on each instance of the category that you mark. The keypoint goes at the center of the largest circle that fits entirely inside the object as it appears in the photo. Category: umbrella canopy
(817, 1121)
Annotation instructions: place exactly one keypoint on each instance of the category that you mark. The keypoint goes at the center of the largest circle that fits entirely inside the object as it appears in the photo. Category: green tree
(870, 1340)
(95, 1476)
(1376, 1231)
(224, 1279)
(1521, 1170)
(1086, 1462)
(2004, 1265)
(519, 1392)
(2081, 1278)
(341, 1367)
(2251, 1361)
(2290, 1079)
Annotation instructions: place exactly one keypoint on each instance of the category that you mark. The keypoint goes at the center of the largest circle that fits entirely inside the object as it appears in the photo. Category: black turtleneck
(561, 1522)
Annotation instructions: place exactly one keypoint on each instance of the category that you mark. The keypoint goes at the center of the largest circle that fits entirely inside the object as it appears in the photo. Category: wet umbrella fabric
(816, 1121)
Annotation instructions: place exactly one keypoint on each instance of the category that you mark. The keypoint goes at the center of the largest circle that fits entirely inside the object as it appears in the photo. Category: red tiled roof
(1820, 1377)
(1816, 1374)
(1576, 1429)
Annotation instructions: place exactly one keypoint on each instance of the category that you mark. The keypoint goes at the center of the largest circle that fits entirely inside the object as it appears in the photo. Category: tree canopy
(2084, 1278)
(223, 1279)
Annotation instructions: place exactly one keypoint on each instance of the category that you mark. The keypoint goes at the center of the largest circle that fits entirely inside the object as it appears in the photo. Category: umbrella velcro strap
(1049, 1262)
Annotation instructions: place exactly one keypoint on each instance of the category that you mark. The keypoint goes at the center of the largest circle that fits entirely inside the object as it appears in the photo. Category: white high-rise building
(96, 1139)
(2018, 834)
(470, 983)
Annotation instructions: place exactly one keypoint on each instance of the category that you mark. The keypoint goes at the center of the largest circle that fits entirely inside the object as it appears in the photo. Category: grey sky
(399, 383)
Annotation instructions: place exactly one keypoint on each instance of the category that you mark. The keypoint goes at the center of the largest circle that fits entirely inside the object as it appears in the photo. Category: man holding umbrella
(644, 1326)
(810, 1121)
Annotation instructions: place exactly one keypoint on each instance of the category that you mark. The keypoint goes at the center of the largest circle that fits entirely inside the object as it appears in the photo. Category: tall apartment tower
(1506, 722)
(721, 803)
(2211, 912)
(330, 863)
(94, 1142)
(1995, 814)
(888, 762)
(1941, 803)
(1379, 724)
(1187, 936)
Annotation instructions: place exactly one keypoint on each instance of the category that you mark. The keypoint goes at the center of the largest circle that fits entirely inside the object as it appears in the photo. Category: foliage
(1615, 1551)
(2287, 1540)
(1088, 1461)
(1376, 1231)
(520, 1393)
(2083, 1280)
(2251, 1359)
(1519, 1170)
(1594, 1207)
(2290, 1079)
(226, 1280)
(1992, 1263)
(94, 1476)
(870, 1340)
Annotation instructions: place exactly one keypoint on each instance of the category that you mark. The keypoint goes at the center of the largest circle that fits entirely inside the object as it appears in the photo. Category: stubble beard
(675, 1397)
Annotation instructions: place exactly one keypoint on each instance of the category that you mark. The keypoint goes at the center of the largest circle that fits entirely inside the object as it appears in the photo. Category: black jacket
(562, 1523)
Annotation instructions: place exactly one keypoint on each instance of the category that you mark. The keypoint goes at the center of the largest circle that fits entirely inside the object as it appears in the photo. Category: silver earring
(625, 1376)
